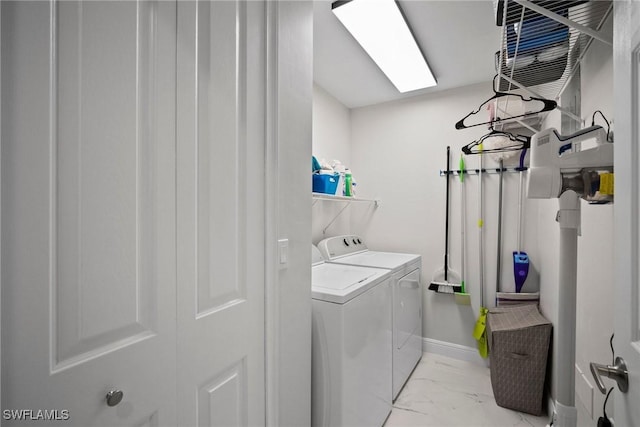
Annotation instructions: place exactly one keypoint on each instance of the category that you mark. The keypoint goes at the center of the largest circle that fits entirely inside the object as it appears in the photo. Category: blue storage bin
(536, 35)
(325, 183)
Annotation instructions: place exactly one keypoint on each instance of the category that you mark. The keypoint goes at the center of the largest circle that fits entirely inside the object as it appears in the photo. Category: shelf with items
(543, 43)
(346, 200)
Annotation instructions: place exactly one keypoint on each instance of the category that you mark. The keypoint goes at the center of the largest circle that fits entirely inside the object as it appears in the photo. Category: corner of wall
(289, 128)
(331, 140)
(596, 241)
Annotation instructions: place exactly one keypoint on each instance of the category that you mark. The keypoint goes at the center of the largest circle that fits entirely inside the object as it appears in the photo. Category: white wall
(289, 129)
(547, 243)
(595, 309)
(331, 141)
(398, 149)
(331, 127)
(594, 323)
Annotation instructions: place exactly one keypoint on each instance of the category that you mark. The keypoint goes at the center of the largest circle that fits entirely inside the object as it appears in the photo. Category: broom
(445, 280)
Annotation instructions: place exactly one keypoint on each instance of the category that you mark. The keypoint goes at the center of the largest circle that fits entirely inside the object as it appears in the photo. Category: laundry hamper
(518, 346)
(504, 299)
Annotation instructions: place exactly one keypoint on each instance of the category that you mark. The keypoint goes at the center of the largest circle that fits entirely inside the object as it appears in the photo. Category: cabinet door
(88, 223)
(88, 212)
(221, 149)
(626, 65)
(407, 327)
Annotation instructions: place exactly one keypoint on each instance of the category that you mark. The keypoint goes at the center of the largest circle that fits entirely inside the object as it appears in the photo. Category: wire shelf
(543, 43)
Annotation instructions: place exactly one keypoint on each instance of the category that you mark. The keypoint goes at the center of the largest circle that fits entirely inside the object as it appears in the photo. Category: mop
(500, 157)
(520, 258)
(446, 280)
(462, 297)
(479, 331)
(499, 251)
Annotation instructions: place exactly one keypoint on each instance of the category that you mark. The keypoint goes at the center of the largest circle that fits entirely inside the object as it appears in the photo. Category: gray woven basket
(519, 339)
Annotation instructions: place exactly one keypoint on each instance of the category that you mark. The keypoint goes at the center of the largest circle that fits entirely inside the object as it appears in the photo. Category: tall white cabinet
(88, 220)
(221, 212)
(134, 216)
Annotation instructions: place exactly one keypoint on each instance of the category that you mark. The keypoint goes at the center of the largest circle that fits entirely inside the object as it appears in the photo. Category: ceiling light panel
(381, 30)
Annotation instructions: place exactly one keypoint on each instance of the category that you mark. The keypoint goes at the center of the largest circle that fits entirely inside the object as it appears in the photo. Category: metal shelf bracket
(347, 202)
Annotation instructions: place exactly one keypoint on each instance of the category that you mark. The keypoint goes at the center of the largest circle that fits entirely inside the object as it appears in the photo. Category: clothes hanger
(516, 142)
(548, 105)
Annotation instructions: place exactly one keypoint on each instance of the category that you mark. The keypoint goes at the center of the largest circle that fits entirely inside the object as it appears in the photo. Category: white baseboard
(551, 408)
(584, 392)
(455, 351)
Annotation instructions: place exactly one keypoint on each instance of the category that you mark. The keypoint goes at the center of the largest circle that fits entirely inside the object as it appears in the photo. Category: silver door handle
(617, 372)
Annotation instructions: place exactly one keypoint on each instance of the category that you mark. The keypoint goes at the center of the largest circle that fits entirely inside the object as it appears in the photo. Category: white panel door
(88, 219)
(221, 149)
(627, 205)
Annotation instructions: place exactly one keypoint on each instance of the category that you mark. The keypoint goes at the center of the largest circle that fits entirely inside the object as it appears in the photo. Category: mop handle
(520, 213)
(499, 254)
(522, 156)
(481, 234)
(446, 224)
(463, 226)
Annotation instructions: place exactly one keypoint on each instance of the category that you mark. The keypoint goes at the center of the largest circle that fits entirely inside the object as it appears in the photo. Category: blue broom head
(520, 269)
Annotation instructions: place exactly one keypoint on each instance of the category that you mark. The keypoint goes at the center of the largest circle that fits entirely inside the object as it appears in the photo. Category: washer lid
(390, 260)
(339, 282)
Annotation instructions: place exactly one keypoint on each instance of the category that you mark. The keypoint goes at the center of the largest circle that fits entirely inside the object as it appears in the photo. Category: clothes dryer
(351, 337)
(406, 297)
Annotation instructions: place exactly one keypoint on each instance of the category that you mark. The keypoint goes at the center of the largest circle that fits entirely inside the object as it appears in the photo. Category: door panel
(151, 421)
(221, 148)
(408, 309)
(221, 153)
(223, 401)
(88, 248)
(103, 178)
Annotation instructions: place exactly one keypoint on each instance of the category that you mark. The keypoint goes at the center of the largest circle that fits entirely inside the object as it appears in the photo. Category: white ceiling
(459, 39)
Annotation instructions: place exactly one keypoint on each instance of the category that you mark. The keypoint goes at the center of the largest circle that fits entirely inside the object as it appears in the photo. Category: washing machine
(351, 341)
(406, 297)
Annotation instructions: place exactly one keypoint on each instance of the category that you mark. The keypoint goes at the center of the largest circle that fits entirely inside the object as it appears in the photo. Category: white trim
(455, 351)
(551, 409)
(272, 326)
(0, 197)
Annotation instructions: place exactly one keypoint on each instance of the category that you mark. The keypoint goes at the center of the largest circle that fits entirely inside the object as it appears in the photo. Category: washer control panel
(335, 247)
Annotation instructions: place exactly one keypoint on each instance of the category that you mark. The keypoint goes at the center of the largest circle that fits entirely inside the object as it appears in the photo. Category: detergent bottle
(348, 183)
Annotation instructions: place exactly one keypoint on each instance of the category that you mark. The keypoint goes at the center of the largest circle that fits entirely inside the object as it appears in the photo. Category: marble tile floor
(447, 392)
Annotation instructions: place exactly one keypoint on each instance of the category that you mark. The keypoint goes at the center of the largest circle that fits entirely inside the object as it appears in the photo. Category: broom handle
(522, 156)
(446, 221)
(481, 233)
(463, 225)
(499, 254)
(520, 213)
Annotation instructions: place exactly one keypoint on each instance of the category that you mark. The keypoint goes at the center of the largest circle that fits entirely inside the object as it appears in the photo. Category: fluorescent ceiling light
(380, 28)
